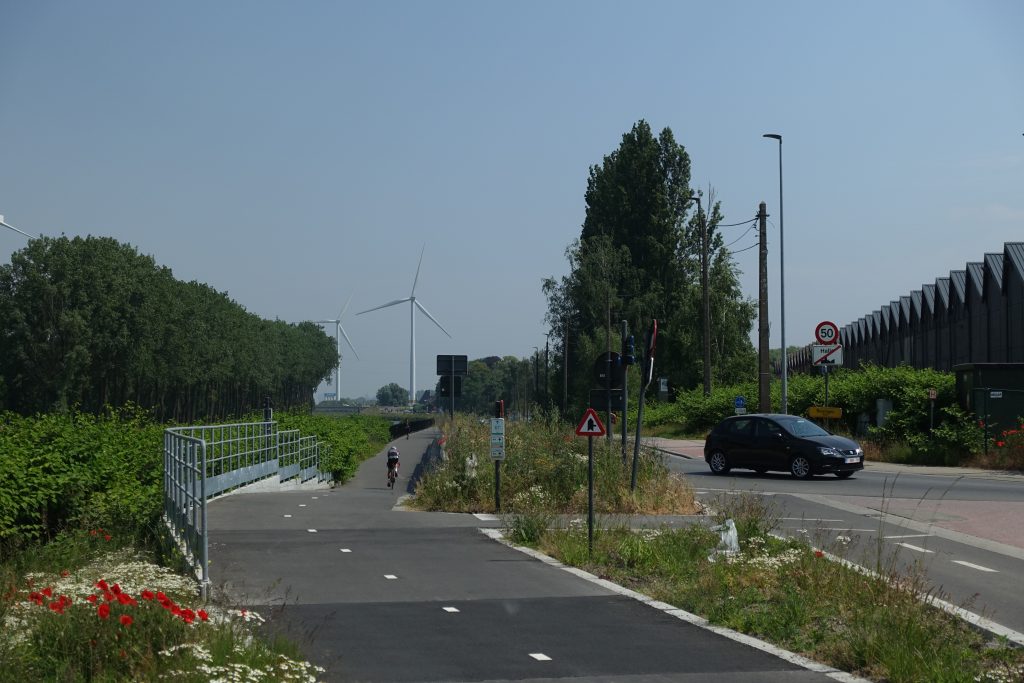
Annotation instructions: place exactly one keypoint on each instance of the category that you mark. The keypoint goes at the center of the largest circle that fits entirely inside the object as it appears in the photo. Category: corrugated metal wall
(975, 315)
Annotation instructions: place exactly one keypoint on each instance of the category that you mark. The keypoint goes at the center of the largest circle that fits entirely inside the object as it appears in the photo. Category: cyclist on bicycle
(392, 463)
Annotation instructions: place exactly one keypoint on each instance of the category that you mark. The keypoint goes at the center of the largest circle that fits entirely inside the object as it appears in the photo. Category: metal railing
(201, 462)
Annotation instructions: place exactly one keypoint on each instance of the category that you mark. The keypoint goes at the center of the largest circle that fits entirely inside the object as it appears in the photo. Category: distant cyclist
(393, 465)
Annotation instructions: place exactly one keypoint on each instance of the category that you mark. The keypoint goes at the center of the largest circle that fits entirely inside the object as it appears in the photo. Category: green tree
(392, 395)
(638, 258)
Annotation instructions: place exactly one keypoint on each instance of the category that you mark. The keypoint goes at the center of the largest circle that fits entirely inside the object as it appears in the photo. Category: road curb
(683, 615)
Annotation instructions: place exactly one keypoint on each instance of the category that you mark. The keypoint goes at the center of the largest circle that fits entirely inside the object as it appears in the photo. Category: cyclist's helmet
(393, 452)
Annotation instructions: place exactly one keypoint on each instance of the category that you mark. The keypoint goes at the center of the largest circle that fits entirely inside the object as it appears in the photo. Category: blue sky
(293, 154)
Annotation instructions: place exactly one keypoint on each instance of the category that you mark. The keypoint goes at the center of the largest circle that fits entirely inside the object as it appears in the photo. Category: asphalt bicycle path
(374, 592)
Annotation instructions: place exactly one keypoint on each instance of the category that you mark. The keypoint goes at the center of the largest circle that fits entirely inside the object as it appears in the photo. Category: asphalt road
(375, 593)
(962, 529)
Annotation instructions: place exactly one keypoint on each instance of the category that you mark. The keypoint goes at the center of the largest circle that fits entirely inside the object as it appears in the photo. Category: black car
(787, 443)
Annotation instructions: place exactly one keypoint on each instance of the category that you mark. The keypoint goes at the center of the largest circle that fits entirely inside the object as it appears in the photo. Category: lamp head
(774, 136)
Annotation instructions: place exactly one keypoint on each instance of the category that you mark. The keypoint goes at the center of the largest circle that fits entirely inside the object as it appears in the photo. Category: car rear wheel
(719, 463)
(844, 475)
(800, 467)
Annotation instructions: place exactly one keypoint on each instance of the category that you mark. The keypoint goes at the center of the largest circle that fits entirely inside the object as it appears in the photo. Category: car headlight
(859, 451)
(827, 450)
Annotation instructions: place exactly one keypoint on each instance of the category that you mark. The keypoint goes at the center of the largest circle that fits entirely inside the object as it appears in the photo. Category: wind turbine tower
(413, 305)
(339, 332)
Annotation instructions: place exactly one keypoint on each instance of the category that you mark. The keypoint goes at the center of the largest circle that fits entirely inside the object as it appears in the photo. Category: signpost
(932, 395)
(498, 450)
(825, 354)
(740, 405)
(650, 342)
(451, 369)
(590, 426)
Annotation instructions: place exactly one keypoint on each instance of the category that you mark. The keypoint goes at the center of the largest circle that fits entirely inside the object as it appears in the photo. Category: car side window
(741, 428)
(767, 428)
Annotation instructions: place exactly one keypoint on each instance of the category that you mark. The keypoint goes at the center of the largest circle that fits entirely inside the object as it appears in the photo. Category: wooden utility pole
(764, 375)
(706, 296)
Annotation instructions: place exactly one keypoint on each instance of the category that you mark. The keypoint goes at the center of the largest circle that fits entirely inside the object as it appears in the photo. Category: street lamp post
(782, 281)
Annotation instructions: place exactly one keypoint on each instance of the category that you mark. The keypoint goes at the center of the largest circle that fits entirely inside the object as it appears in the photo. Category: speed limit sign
(826, 332)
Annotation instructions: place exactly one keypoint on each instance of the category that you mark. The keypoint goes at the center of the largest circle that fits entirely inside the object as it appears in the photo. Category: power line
(740, 251)
(747, 232)
(733, 225)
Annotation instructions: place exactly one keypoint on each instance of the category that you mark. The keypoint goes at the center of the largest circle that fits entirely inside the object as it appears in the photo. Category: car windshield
(803, 428)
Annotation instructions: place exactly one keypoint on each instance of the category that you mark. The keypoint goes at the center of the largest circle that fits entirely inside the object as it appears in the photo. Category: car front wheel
(719, 463)
(800, 467)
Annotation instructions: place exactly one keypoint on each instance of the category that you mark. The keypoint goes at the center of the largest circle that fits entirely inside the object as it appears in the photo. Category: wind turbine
(413, 305)
(339, 332)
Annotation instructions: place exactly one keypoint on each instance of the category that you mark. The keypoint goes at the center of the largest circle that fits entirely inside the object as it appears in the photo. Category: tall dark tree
(638, 256)
(392, 395)
(90, 323)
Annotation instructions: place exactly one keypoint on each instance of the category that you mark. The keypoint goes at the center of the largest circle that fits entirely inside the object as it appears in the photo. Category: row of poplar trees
(639, 257)
(89, 323)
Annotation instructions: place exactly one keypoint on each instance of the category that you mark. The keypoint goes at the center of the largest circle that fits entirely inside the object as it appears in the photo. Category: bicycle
(392, 476)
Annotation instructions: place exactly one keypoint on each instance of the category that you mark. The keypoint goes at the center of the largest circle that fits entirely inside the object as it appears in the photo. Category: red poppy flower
(102, 585)
(91, 598)
(106, 537)
(1000, 443)
(160, 596)
(115, 589)
(57, 607)
(103, 611)
(92, 532)
(108, 596)
(124, 599)
(65, 573)
(126, 620)
(818, 553)
(147, 595)
(203, 615)
(48, 592)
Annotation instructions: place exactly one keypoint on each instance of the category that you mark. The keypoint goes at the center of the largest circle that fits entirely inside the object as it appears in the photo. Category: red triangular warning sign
(590, 425)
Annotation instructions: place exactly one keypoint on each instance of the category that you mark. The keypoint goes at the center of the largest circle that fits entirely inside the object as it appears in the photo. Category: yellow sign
(828, 412)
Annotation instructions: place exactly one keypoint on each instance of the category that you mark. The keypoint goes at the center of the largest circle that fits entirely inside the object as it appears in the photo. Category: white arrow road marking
(976, 566)
(917, 548)
(450, 609)
(540, 656)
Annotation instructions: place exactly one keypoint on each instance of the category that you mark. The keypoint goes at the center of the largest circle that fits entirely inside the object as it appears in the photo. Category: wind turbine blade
(345, 307)
(416, 279)
(390, 303)
(427, 313)
(343, 334)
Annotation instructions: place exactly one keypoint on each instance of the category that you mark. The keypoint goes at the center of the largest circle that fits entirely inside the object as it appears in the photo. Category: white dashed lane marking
(540, 656)
(312, 531)
(889, 538)
(302, 505)
(450, 609)
(976, 566)
(287, 515)
(345, 550)
(917, 548)
(390, 577)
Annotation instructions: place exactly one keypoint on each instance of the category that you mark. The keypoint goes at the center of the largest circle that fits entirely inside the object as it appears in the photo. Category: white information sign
(497, 425)
(826, 354)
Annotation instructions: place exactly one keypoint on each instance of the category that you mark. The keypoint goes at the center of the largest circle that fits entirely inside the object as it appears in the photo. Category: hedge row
(84, 470)
(955, 437)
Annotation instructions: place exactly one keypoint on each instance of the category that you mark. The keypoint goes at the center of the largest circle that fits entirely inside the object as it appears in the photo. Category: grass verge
(789, 593)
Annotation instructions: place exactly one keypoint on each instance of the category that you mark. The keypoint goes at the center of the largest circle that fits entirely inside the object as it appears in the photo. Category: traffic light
(630, 356)
(499, 408)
